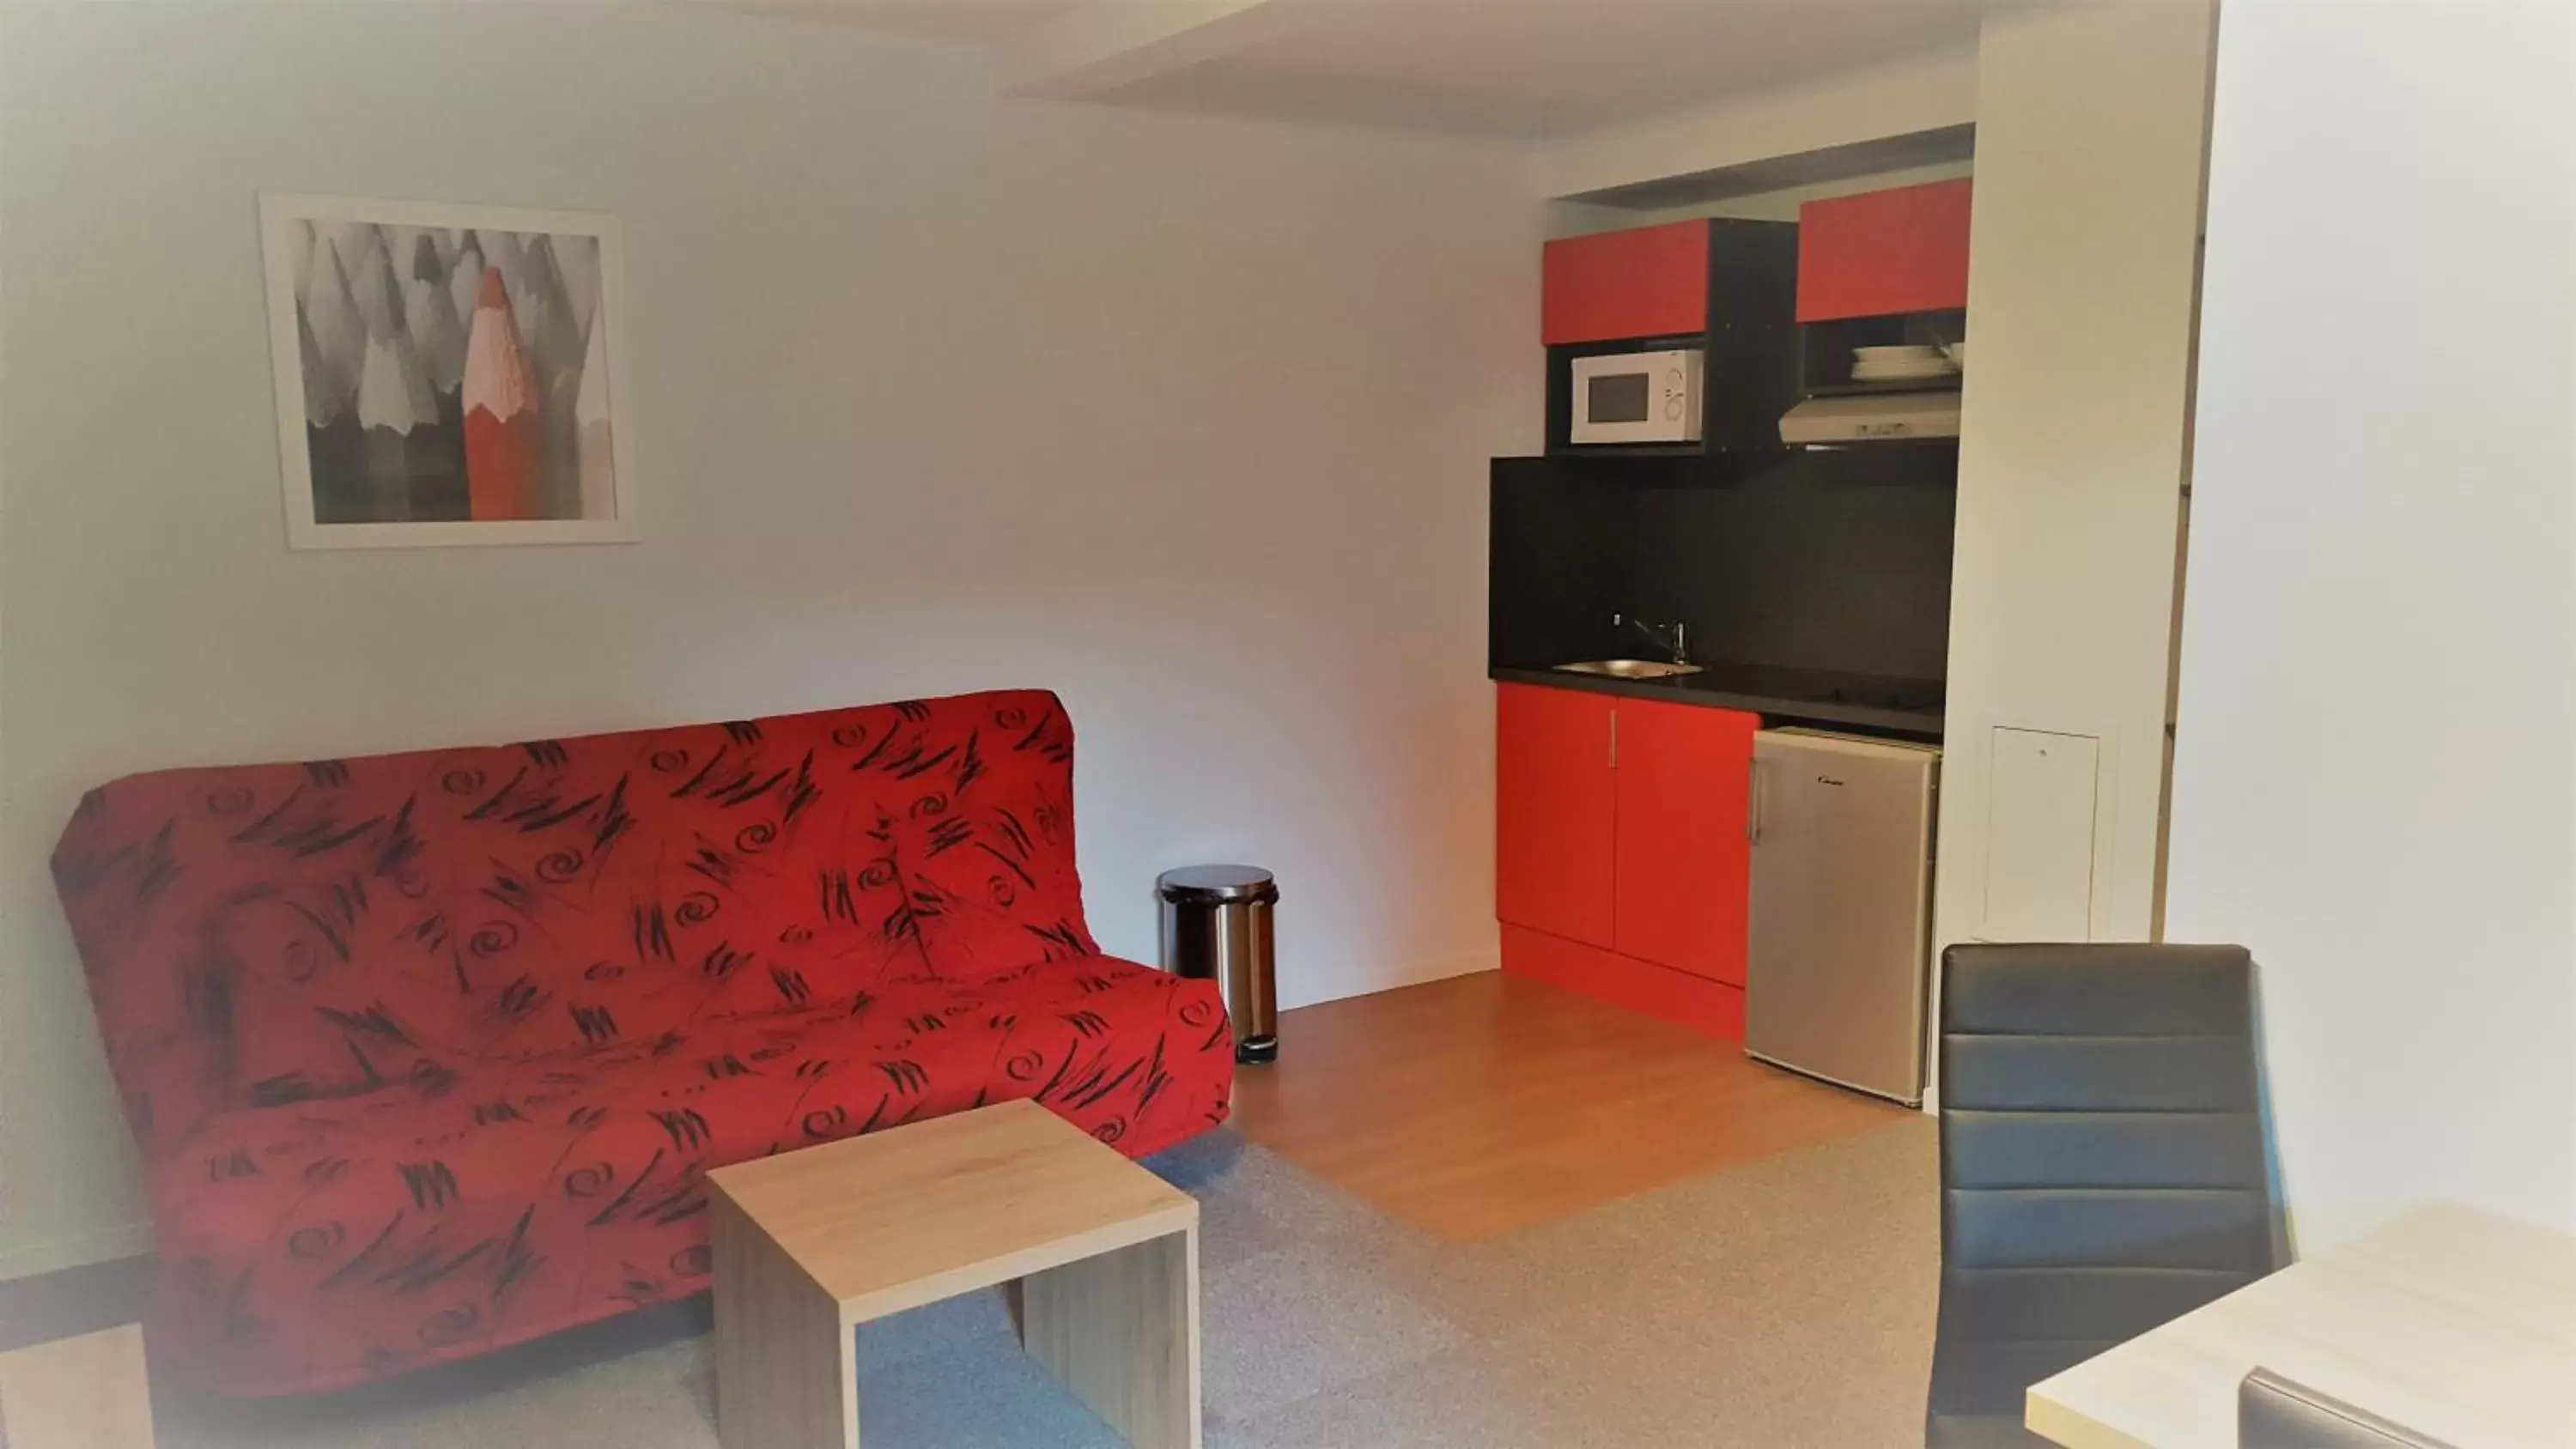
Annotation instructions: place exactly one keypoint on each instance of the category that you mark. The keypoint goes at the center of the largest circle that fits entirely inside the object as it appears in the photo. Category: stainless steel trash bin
(1216, 924)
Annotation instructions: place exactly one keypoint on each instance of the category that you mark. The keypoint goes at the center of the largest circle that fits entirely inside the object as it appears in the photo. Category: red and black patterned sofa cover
(427, 1054)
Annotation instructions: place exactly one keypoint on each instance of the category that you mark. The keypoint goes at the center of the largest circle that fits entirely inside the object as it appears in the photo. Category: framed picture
(447, 374)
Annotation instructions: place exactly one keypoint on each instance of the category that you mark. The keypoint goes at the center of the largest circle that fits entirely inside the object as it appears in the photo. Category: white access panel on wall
(2039, 836)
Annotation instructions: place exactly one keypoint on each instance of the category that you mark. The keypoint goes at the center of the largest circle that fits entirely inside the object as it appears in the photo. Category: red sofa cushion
(427, 1053)
(321, 1244)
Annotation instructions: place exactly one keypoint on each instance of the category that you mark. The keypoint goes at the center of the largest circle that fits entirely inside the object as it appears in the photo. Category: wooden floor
(1488, 1102)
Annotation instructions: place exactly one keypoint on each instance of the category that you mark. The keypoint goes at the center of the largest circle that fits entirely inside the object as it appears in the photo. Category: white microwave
(1636, 397)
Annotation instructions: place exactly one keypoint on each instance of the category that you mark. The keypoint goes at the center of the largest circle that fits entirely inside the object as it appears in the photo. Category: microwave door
(1636, 397)
(1613, 398)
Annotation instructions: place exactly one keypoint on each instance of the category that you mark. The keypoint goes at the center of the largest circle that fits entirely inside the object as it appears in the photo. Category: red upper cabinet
(1884, 252)
(1648, 282)
(1684, 867)
(1553, 804)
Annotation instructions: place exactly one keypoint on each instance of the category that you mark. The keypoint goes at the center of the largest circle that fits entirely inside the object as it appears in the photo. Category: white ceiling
(1538, 69)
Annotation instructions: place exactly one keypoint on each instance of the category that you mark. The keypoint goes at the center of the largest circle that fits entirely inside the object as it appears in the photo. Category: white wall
(2091, 124)
(2375, 773)
(932, 391)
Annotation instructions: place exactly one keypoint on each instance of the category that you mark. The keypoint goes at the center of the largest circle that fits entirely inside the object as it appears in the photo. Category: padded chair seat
(1970, 1379)
(329, 1242)
(1978, 1387)
(1979, 1431)
(2102, 1164)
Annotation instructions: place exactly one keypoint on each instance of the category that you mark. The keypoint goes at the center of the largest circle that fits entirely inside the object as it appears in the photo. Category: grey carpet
(1783, 1303)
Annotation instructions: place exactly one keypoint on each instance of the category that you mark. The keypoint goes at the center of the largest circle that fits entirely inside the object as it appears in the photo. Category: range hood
(1875, 417)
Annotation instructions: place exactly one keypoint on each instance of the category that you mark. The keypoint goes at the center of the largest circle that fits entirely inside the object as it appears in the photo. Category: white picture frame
(391, 362)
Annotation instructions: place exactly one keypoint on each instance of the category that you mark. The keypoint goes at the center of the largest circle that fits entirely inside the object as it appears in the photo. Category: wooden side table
(811, 1244)
(88, 1392)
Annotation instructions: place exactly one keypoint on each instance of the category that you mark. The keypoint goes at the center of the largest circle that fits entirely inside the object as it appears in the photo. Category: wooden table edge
(2060, 1424)
(1011, 1267)
(1176, 1211)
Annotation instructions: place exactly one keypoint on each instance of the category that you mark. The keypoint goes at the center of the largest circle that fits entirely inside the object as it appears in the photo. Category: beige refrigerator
(1839, 945)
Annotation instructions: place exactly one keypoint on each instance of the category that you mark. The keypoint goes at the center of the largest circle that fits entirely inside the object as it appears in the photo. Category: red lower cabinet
(1553, 812)
(1683, 867)
(1696, 1002)
(1621, 869)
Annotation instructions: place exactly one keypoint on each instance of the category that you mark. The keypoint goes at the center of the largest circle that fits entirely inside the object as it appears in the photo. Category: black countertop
(1902, 706)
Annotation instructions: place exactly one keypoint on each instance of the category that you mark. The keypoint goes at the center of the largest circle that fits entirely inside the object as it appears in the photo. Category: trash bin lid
(1206, 884)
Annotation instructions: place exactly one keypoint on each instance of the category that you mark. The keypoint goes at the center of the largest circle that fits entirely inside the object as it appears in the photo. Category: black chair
(2102, 1163)
(2277, 1413)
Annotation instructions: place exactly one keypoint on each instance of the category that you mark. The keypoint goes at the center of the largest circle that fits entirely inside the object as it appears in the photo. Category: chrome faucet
(1673, 638)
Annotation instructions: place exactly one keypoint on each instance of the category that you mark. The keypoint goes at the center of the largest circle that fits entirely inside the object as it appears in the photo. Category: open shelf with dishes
(1857, 356)
(1892, 378)
(1946, 382)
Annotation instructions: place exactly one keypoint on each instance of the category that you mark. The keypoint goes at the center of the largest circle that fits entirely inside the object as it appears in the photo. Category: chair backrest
(260, 935)
(2277, 1413)
(2102, 1151)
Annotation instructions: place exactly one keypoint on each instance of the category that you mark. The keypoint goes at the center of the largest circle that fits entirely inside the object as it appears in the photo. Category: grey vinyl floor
(1787, 1302)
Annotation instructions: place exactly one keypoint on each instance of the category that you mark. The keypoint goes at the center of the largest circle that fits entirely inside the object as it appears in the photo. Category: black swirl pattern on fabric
(590, 1180)
(318, 1240)
(449, 1325)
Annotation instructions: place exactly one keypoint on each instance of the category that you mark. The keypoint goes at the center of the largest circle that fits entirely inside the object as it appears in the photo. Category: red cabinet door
(1552, 811)
(1651, 281)
(1684, 875)
(1884, 252)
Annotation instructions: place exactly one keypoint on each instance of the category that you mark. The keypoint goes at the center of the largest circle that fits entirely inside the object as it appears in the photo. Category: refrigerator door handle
(1753, 801)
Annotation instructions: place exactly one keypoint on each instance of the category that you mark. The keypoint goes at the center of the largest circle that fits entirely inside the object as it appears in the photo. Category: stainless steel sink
(1630, 668)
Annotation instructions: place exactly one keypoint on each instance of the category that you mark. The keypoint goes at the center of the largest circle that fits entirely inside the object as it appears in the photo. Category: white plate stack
(1900, 364)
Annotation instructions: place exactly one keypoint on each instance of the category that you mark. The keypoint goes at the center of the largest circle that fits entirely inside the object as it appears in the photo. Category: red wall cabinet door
(1684, 876)
(1553, 804)
(1883, 252)
(1651, 281)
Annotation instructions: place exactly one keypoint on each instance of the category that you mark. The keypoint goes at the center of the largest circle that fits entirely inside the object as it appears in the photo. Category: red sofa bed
(427, 1054)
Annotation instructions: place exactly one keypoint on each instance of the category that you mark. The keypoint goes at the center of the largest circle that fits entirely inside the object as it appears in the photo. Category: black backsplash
(1560, 561)
(1835, 560)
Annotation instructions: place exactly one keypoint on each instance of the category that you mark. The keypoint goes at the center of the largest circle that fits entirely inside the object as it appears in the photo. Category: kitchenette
(1719, 626)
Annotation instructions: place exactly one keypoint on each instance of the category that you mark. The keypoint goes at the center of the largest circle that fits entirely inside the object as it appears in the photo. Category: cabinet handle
(1614, 739)
(1753, 801)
